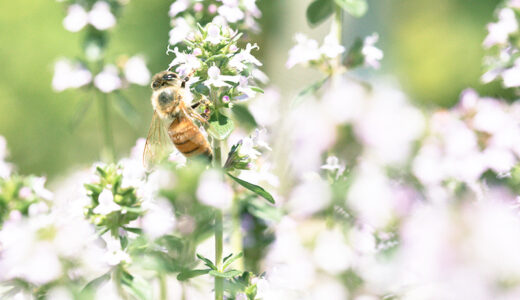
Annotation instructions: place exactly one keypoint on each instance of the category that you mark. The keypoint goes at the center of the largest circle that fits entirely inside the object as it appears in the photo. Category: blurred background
(432, 51)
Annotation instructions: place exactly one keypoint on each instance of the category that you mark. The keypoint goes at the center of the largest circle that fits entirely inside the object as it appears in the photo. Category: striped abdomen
(188, 139)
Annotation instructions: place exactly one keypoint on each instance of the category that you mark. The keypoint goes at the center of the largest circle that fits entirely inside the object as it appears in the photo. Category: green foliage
(254, 188)
(244, 117)
(220, 126)
(319, 11)
(356, 8)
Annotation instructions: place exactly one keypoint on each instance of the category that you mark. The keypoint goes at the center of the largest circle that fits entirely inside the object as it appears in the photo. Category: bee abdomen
(188, 139)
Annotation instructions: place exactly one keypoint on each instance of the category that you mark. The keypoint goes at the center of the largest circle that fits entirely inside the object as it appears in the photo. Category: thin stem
(108, 151)
(219, 236)
(163, 288)
(236, 234)
(336, 30)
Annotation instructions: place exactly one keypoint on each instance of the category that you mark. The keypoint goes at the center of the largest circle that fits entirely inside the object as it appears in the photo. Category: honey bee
(173, 114)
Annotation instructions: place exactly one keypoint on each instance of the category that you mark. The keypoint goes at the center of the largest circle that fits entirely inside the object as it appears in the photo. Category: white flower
(185, 63)
(159, 219)
(331, 47)
(331, 253)
(244, 88)
(114, 255)
(101, 17)
(37, 185)
(69, 74)
(76, 18)
(214, 191)
(106, 203)
(177, 7)
(180, 31)
(217, 80)
(333, 165)
(238, 60)
(231, 12)
(136, 71)
(248, 148)
(372, 54)
(310, 196)
(214, 36)
(499, 32)
(108, 80)
(304, 51)
(265, 107)
(241, 296)
(511, 76)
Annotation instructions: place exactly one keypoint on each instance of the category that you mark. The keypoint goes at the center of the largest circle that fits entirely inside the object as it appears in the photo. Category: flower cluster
(186, 14)
(502, 62)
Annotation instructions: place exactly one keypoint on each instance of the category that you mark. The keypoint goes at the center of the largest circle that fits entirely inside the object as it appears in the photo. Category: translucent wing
(158, 144)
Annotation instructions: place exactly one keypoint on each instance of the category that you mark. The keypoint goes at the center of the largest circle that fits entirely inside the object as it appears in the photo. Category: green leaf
(134, 230)
(254, 188)
(127, 110)
(356, 8)
(123, 241)
(264, 211)
(311, 89)
(355, 57)
(257, 89)
(244, 116)
(318, 11)
(185, 275)
(207, 262)
(231, 260)
(220, 126)
(139, 287)
(227, 274)
(95, 283)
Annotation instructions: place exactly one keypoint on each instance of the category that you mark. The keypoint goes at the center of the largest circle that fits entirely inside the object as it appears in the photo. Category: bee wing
(158, 144)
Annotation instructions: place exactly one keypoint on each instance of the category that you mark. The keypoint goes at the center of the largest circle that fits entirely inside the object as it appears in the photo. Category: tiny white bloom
(159, 219)
(511, 76)
(214, 36)
(238, 60)
(185, 63)
(217, 80)
(304, 51)
(101, 17)
(333, 165)
(39, 189)
(177, 7)
(232, 13)
(248, 148)
(331, 47)
(106, 203)
(372, 54)
(499, 32)
(114, 255)
(76, 18)
(108, 80)
(214, 191)
(179, 32)
(136, 71)
(69, 74)
(244, 88)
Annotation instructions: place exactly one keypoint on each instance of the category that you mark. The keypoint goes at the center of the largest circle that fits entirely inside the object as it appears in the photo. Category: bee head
(165, 78)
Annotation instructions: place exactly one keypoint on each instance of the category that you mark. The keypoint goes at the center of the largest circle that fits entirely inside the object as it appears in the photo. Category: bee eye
(170, 76)
(155, 84)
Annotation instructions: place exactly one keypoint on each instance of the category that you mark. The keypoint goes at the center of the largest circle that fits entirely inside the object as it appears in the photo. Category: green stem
(219, 237)
(236, 234)
(163, 288)
(336, 30)
(108, 151)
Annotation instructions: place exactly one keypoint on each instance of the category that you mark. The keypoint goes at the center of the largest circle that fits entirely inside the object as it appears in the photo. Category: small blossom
(214, 191)
(214, 36)
(231, 12)
(159, 219)
(76, 18)
(39, 189)
(244, 88)
(136, 71)
(333, 165)
(179, 32)
(185, 63)
(108, 80)
(372, 54)
(69, 74)
(499, 32)
(114, 255)
(106, 203)
(101, 17)
(217, 80)
(238, 61)
(304, 51)
(331, 47)
(177, 7)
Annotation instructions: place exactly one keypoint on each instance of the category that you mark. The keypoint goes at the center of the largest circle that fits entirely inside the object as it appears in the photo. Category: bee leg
(192, 113)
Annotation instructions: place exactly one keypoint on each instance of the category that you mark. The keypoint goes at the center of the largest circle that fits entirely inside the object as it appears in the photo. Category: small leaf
(318, 11)
(134, 230)
(244, 116)
(185, 275)
(95, 283)
(139, 287)
(227, 257)
(207, 262)
(220, 126)
(254, 188)
(123, 241)
(231, 260)
(311, 89)
(355, 57)
(257, 89)
(227, 274)
(127, 110)
(356, 8)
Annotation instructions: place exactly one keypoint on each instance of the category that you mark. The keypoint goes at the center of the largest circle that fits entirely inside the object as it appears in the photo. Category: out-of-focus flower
(214, 36)
(331, 253)
(332, 164)
(331, 47)
(108, 80)
(230, 11)
(68, 74)
(499, 32)
(265, 107)
(180, 31)
(372, 54)
(136, 71)
(304, 51)
(159, 218)
(177, 7)
(114, 255)
(214, 191)
(76, 18)
(310, 196)
(101, 17)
